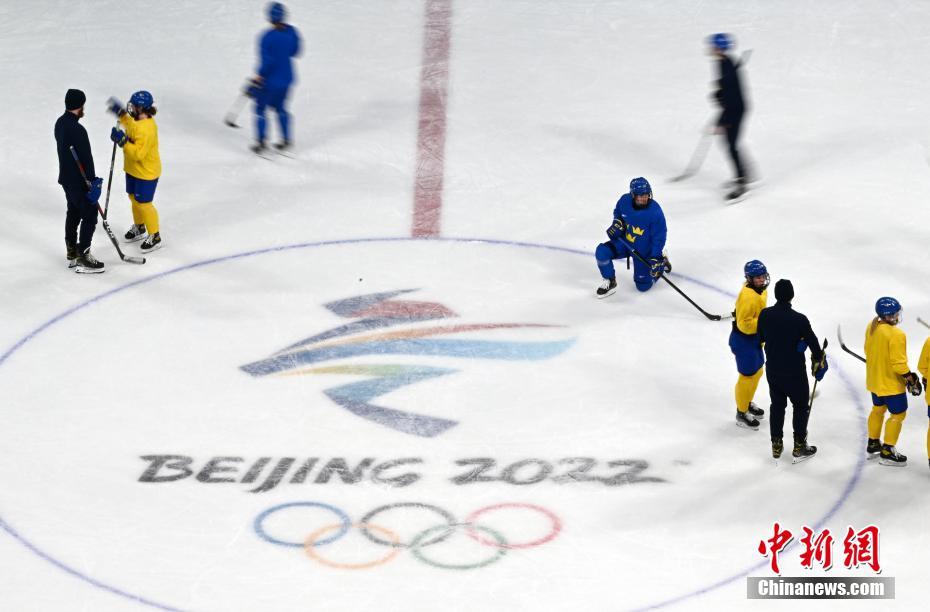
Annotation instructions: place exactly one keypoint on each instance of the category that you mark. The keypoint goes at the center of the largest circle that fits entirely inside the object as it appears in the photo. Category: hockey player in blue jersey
(639, 224)
(275, 75)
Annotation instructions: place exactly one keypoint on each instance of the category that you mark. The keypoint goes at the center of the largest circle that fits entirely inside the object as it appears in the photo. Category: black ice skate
(134, 233)
(738, 193)
(88, 264)
(873, 448)
(152, 243)
(891, 456)
(756, 411)
(802, 451)
(283, 146)
(608, 287)
(744, 419)
(259, 147)
(71, 253)
(778, 446)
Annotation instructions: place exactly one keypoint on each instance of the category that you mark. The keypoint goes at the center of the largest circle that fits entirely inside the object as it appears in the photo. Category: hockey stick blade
(924, 323)
(843, 346)
(235, 109)
(697, 158)
(712, 317)
(127, 258)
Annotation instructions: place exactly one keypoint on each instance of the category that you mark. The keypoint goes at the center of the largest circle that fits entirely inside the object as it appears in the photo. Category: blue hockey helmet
(640, 186)
(142, 99)
(721, 42)
(276, 12)
(887, 307)
(754, 269)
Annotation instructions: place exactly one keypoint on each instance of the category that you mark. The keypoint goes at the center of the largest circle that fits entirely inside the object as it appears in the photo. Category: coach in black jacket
(82, 202)
(785, 333)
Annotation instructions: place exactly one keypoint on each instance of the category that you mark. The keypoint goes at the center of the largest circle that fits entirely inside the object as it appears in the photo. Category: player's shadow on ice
(624, 152)
(313, 130)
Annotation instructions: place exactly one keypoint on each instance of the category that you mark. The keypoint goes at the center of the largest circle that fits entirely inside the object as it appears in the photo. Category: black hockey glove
(912, 384)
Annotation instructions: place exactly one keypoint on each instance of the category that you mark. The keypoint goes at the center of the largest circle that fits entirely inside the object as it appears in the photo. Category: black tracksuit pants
(782, 387)
(732, 134)
(80, 213)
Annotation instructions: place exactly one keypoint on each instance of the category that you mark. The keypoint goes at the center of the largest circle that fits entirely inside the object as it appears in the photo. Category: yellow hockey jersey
(923, 364)
(140, 153)
(886, 358)
(748, 306)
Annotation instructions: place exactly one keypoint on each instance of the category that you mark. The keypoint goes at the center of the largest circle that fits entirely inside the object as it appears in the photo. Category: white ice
(553, 107)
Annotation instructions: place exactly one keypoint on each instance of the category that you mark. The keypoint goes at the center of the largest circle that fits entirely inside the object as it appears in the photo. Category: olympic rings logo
(485, 535)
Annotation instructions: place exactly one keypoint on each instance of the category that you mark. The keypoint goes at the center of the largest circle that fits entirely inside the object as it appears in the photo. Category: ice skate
(890, 456)
(778, 446)
(71, 254)
(152, 243)
(756, 411)
(135, 233)
(873, 448)
(744, 419)
(802, 452)
(608, 287)
(88, 264)
(737, 194)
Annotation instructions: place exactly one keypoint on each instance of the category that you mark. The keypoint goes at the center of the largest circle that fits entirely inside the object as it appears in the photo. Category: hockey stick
(924, 323)
(823, 360)
(249, 90)
(913, 388)
(106, 207)
(106, 226)
(843, 346)
(233, 113)
(699, 155)
(712, 317)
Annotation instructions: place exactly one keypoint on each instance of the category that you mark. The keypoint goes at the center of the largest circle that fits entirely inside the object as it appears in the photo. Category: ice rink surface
(290, 403)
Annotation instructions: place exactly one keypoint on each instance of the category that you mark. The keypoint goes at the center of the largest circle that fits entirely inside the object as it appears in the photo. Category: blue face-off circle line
(847, 490)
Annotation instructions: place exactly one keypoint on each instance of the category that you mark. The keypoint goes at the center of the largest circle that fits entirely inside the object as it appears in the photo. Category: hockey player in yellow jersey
(923, 366)
(142, 164)
(745, 344)
(887, 376)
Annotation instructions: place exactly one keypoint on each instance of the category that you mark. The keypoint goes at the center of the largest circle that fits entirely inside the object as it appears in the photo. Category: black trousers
(732, 134)
(81, 213)
(782, 387)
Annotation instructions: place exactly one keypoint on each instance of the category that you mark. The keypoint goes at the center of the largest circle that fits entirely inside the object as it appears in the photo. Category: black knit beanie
(784, 290)
(74, 99)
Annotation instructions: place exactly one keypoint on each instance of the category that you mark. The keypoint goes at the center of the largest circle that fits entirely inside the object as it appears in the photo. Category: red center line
(431, 130)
